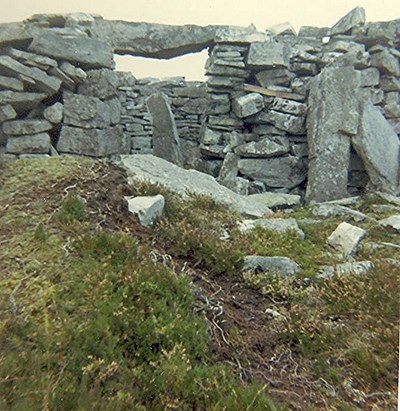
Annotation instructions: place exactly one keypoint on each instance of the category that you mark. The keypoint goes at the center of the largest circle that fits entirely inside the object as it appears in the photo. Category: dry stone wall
(317, 111)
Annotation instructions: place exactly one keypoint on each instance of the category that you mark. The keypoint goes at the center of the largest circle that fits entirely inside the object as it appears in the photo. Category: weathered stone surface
(13, 33)
(276, 200)
(157, 170)
(283, 121)
(279, 225)
(344, 269)
(282, 266)
(87, 52)
(369, 77)
(379, 147)
(268, 54)
(165, 134)
(20, 100)
(285, 172)
(21, 127)
(29, 144)
(288, 106)
(390, 198)
(392, 222)
(332, 117)
(327, 210)
(354, 18)
(152, 40)
(148, 209)
(248, 104)
(93, 142)
(282, 29)
(229, 169)
(100, 83)
(7, 112)
(43, 81)
(386, 62)
(74, 73)
(240, 35)
(10, 83)
(31, 59)
(346, 238)
(274, 76)
(54, 113)
(89, 112)
(210, 136)
(66, 81)
(266, 147)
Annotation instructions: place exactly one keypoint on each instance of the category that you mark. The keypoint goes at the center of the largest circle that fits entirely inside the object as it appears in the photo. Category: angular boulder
(268, 54)
(102, 83)
(21, 101)
(148, 209)
(392, 222)
(282, 266)
(352, 19)
(279, 225)
(248, 104)
(20, 127)
(93, 142)
(146, 167)
(29, 144)
(266, 147)
(346, 238)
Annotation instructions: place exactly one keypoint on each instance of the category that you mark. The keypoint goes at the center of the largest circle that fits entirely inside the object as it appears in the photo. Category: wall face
(253, 124)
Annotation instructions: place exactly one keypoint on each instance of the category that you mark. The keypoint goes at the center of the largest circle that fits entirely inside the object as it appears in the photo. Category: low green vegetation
(99, 317)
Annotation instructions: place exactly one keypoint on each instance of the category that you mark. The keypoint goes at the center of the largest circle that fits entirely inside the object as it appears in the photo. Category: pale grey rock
(277, 200)
(66, 81)
(384, 208)
(381, 160)
(248, 104)
(43, 81)
(212, 150)
(21, 101)
(268, 54)
(353, 19)
(229, 169)
(288, 106)
(93, 142)
(29, 144)
(390, 198)
(89, 112)
(391, 105)
(21, 127)
(282, 29)
(87, 52)
(12, 34)
(7, 112)
(333, 116)
(10, 83)
(152, 40)
(282, 266)
(235, 34)
(274, 76)
(266, 147)
(210, 136)
(299, 149)
(148, 209)
(389, 83)
(345, 269)
(73, 72)
(392, 222)
(386, 62)
(31, 59)
(157, 170)
(313, 32)
(283, 121)
(54, 113)
(285, 172)
(101, 83)
(275, 314)
(327, 210)
(369, 77)
(279, 225)
(344, 46)
(346, 238)
(165, 134)
(238, 185)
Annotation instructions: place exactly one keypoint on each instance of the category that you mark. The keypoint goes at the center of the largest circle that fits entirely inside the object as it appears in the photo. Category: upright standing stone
(332, 119)
(352, 19)
(165, 134)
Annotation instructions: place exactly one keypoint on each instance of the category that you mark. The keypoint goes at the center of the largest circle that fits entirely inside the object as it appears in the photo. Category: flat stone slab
(248, 104)
(21, 127)
(279, 225)
(54, 113)
(146, 167)
(392, 222)
(43, 81)
(327, 210)
(29, 144)
(270, 146)
(268, 54)
(346, 238)
(87, 52)
(7, 112)
(93, 142)
(277, 200)
(341, 270)
(148, 209)
(282, 266)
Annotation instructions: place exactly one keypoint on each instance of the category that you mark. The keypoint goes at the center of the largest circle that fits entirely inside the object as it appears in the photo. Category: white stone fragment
(148, 209)
(346, 238)
(392, 222)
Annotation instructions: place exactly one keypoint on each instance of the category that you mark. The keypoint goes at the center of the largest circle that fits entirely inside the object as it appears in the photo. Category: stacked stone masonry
(315, 113)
